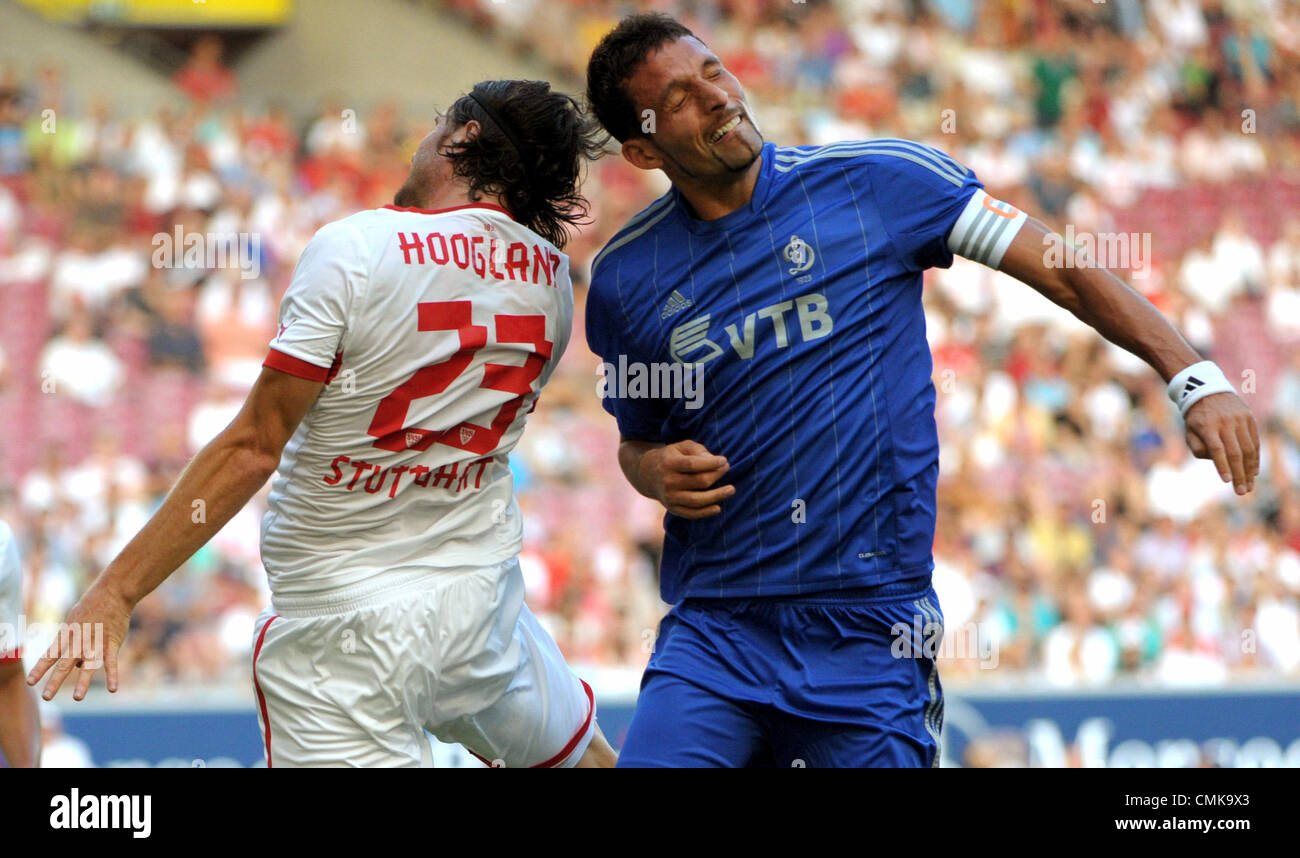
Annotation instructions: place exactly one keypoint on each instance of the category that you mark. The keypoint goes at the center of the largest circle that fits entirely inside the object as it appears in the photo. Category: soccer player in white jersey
(413, 340)
(20, 722)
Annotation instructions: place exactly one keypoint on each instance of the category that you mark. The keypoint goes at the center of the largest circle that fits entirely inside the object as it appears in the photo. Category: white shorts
(456, 653)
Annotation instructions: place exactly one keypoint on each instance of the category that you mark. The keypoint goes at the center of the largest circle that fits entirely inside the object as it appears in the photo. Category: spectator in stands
(1079, 650)
(235, 319)
(1286, 397)
(59, 749)
(173, 341)
(80, 365)
(1204, 278)
(1189, 656)
(204, 78)
(1238, 256)
(13, 148)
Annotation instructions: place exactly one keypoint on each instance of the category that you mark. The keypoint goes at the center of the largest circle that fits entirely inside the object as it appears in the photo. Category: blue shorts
(843, 679)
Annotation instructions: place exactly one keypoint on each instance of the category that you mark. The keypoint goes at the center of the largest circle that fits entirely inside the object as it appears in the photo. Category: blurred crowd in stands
(1078, 540)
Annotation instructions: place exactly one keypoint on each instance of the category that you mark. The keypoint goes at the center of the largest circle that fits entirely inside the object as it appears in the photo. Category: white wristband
(1196, 382)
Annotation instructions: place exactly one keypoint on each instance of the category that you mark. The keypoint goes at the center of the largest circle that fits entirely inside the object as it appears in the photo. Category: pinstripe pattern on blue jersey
(692, 547)
(618, 288)
(835, 431)
(871, 357)
(794, 424)
(636, 227)
(753, 409)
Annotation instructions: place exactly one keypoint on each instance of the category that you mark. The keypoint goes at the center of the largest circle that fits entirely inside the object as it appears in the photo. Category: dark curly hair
(529, 152)
(614, 62)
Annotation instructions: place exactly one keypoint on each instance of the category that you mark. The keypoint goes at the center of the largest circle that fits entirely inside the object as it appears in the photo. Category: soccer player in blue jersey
(800, 487)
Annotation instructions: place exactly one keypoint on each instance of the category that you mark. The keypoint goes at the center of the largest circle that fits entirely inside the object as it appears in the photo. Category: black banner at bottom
(206, 808)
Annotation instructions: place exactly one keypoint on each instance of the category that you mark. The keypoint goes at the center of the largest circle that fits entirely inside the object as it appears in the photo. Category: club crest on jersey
(799, 254)
(413, 438)
(466, 434)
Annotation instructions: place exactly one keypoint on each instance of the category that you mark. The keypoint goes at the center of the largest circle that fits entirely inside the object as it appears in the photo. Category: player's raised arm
(219, 481)
(1219, 424)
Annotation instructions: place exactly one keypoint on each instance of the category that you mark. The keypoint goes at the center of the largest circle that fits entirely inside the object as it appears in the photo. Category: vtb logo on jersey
(689, 342)
(688, 338)
(799, 254)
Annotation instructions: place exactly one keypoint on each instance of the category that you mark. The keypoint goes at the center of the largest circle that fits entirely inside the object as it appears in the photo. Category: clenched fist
(681, 476)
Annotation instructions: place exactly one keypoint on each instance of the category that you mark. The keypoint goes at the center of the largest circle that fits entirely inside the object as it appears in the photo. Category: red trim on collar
(491, 206)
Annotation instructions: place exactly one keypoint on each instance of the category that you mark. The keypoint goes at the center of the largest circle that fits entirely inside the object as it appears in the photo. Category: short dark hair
(616, 59)
(529, 151)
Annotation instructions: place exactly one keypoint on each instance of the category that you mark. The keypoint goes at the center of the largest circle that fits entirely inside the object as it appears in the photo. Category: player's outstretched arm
(1219, 425)
(680, 476)
(218, 482)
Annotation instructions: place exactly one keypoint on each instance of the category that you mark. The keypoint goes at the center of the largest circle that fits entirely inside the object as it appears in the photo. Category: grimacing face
(702, 124)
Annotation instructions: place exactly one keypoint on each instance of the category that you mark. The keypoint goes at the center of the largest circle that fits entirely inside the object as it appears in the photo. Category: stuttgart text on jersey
(449, 477)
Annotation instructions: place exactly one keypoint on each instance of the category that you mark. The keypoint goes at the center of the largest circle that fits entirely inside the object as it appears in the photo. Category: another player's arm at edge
(224, 476)
(1219, 426)
(20, 723)
(680, 475)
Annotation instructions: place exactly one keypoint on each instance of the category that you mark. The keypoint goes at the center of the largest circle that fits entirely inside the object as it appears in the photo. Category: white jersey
(435, 332)
(11, 597)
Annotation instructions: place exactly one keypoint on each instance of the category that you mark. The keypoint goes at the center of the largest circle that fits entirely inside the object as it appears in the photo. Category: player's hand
(682, 475)
(1221, 427)
(88, 639)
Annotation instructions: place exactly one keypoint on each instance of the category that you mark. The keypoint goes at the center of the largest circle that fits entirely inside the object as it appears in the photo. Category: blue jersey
(801, 313)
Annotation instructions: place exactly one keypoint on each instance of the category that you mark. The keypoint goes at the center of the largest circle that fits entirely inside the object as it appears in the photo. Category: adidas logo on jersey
(676, 303)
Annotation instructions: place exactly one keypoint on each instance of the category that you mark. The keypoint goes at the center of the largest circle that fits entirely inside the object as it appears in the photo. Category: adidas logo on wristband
(1186, 389)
